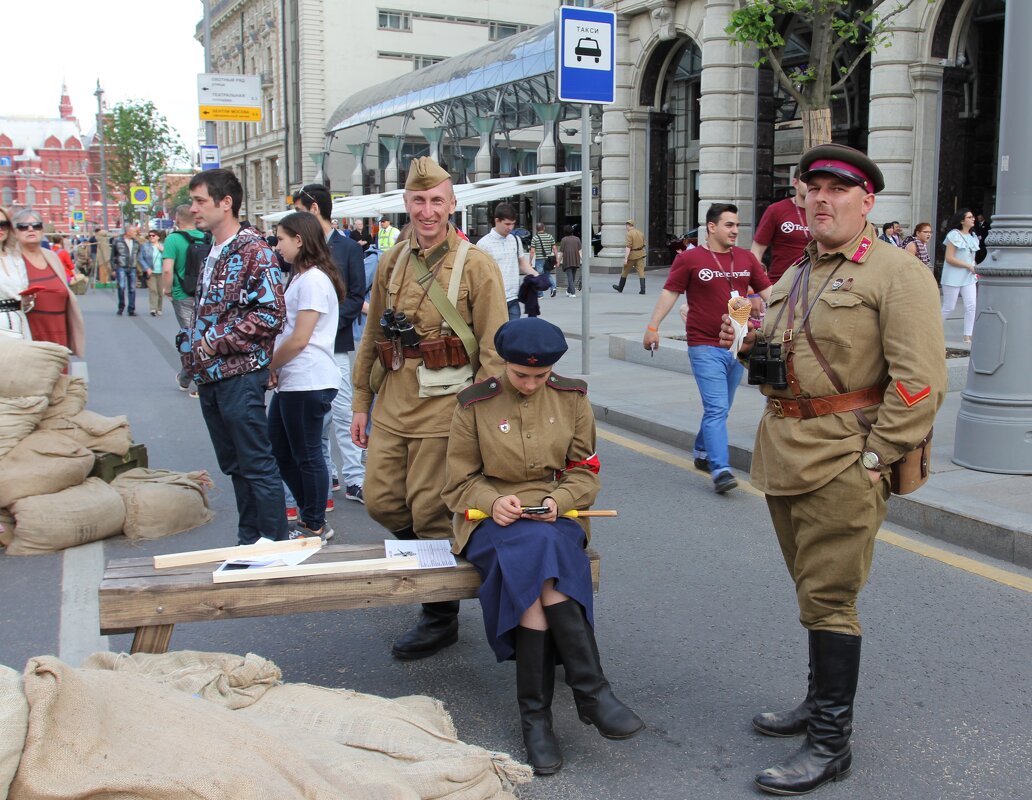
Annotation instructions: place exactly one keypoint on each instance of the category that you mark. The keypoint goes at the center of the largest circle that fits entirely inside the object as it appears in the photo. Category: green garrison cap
(425, 173)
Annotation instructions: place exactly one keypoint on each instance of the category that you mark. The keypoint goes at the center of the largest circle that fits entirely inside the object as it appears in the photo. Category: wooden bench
(136, 597)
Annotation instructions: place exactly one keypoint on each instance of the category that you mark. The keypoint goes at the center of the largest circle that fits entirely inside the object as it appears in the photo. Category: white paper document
(291, 559)
(432, 553)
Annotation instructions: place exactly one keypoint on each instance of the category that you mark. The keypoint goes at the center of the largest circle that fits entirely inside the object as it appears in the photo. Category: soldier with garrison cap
(522, 451)
(857, 384)
(445, 301)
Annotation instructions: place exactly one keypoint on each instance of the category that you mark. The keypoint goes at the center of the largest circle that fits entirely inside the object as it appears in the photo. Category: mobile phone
(535, 509)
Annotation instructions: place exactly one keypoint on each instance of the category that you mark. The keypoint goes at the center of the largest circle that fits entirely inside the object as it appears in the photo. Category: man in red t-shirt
(709, 276)
(783, 228)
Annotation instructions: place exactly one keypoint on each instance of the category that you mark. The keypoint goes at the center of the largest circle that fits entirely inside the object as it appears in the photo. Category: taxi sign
(140, 195)
(78, 216)
(585, 55)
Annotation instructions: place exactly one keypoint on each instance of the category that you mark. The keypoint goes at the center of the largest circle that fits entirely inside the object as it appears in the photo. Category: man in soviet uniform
(826, 442)
(409, 438)
(634, 257)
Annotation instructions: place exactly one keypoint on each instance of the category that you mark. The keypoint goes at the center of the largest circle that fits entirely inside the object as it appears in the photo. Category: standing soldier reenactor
(860, 375)
(634, 257)
(435, 305)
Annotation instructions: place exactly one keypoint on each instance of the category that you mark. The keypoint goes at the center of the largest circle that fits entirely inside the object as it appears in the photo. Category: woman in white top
(304, 372)
(958, 273)
(13, 281)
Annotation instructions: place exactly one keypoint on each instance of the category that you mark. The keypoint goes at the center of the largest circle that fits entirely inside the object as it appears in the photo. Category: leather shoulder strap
(446, 307)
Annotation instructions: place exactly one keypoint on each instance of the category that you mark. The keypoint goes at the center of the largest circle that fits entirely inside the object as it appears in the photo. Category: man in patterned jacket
(240, 309)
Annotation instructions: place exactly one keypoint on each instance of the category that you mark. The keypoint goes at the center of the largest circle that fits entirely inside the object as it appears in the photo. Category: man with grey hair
(125, 261)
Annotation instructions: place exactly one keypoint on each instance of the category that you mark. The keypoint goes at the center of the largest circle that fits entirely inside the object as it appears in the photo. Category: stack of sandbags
(14, 725)
(67, 399)
(78, 515)
(160, 502)
(94, 431)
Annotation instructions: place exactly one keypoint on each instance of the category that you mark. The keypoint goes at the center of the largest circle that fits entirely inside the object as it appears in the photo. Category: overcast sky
(139, 49)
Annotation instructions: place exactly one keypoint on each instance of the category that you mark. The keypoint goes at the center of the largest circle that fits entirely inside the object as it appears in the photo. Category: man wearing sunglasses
(125, 261)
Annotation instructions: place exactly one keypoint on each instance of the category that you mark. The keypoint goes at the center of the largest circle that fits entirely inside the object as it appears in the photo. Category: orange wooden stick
(475, 514)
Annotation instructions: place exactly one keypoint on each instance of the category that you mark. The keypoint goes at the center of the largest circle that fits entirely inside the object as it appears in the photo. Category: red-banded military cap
(843, 162)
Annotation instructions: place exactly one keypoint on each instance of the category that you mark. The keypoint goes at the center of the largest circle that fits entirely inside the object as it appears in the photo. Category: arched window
(55, 197)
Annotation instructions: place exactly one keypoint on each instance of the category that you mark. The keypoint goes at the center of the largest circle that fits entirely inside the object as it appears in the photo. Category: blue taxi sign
(585, 55)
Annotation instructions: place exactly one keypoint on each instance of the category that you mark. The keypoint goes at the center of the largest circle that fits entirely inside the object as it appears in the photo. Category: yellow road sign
(231, 113)
(140, 195)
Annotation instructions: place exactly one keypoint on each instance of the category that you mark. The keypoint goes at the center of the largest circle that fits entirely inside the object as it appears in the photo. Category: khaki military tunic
(636, 260)
(505, 443)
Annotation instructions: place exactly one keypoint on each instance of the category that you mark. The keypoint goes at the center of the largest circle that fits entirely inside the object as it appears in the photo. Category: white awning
(466, 194)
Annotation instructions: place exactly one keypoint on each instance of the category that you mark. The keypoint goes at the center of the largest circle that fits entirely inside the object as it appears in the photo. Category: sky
(139, 49)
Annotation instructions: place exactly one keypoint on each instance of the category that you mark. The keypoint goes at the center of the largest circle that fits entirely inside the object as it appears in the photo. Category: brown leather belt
(411, 352)
(810, 407)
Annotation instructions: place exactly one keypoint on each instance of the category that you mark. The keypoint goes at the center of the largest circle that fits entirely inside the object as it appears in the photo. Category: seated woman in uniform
(524, 440)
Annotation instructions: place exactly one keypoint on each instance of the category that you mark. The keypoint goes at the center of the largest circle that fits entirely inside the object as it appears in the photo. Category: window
(274, 177)
(8, 196)
(395, 20)
(503, 30)
(55, 197)
(419, 62)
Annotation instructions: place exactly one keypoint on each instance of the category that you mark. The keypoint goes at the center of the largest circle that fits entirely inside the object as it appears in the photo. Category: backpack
(197, 251)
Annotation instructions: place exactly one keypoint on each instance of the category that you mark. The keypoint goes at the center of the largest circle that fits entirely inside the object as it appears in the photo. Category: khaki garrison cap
(425, 173)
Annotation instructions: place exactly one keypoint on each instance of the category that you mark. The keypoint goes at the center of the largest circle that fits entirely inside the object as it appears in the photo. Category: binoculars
(395, 325)
(767, 366)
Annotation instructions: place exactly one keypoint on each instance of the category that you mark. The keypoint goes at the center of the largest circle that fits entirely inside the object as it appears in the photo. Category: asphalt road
(696, 621)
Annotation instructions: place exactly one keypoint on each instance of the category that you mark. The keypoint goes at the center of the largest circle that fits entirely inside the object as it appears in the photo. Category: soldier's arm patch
(912, 399)
(479, 391)
(561, 384)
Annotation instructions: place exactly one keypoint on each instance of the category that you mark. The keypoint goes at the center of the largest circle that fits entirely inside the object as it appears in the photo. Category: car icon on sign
(587, 47)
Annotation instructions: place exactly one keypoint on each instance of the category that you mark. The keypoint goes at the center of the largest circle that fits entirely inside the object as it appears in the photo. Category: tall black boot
(619, 286)
(788, 723)
(641, 281)
(825, 755)
(596, 703)
(437, 627)
(535, 683)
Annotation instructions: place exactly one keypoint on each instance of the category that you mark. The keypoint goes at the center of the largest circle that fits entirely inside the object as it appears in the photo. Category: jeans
(717, 374)
(184, 311)
(295, 431)
(513, 307)
(571, 281)
(234, 411)
(339, 419)
(539, 265)
(126, 279)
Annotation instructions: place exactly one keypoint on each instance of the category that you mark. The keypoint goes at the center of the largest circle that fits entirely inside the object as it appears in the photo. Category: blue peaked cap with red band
(530, 342)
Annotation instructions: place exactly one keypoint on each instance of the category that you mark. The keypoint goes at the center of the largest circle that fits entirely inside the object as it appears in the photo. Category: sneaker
(335, 484)
(194, 395)
(132, 313)
(120, 312)
(724, 482)
(154, 313)
(354, 492)
(701, 462)
(291, 514)
(183, 381)
(553, 293)
(325, 532)
(329, 504)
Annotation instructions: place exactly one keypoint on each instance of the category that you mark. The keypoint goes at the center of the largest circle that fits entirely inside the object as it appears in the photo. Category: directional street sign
(210, 156)
(78, 217)
(585, 55)
(229, 98)
(140, 195)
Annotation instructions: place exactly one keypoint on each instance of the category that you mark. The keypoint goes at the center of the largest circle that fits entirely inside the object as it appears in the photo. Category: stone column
(926, 82)
(358, 174)
(390, 172)
(994, 426)
(484, 168)
(727, 133)
(546, 210)
(433, 137)
(619, 149)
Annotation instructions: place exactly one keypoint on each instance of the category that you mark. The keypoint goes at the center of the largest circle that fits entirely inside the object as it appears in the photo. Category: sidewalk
(657, 397)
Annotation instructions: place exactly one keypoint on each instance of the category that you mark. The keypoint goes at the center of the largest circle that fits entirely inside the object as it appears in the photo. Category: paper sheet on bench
(291, 559)
(432, 553)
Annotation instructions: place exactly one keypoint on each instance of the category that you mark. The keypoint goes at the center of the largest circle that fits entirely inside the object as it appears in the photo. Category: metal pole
(103, 159)
(585, 224)
(209, 127)
(994, 426)
(243, 164)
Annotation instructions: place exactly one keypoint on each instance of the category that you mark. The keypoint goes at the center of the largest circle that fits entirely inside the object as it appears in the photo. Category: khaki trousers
(637, 264)
(404, 479)
(827, 539)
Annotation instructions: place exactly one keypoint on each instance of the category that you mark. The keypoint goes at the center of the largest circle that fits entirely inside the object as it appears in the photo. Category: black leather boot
(437, 627)
(596, 703)
(535, 683)
(788, 723)
(641, 281)
(825, 755)
(619, 286)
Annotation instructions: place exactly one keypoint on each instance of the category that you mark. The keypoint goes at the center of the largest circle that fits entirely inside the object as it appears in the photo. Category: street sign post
(585, 73)
(210, 158)
(229, 98)
(140, 195)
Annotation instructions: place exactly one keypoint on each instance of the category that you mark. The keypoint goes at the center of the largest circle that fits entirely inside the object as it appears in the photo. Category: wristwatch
(870, 460)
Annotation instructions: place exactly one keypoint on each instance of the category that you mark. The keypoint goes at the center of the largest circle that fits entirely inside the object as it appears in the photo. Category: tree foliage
(140, 147)
(839, 29)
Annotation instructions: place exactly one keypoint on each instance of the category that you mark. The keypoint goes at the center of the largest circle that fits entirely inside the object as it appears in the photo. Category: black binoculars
(395, 325)
(767, 366)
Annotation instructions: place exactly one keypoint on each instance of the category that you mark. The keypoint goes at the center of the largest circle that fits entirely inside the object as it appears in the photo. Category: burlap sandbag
(160, 502)
(14, 724)
(94, 431)
(6, 528)
(68, 397)
(78, 515)
(43, 462)
(19, 417)
(30, 368)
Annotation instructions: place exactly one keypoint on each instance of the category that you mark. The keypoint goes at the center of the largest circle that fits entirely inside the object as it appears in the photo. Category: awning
(466, 194)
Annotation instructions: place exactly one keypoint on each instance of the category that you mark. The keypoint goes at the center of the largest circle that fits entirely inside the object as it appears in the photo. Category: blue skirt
(515, 561)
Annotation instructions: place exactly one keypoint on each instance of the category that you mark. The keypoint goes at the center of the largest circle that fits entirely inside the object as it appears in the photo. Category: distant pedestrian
(152, 258)
(783, 229)
(891, 233)
(175, 261)
(958, 271)
(125, 261)
(360, 234)
(545, 249)
(387, 236)
(570, 259)
(917, 244)
(57, 247)
(634, 257)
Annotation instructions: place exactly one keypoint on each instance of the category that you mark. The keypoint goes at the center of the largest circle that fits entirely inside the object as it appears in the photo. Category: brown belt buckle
(776, 407)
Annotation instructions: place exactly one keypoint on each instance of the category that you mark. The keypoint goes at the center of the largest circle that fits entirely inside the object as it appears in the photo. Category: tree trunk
(816, 127)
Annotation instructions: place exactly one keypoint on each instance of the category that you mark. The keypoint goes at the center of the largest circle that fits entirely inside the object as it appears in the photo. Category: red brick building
(50, 165)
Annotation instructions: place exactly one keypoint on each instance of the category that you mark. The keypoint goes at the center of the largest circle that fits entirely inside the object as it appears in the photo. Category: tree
(863, 25)
(140, 147)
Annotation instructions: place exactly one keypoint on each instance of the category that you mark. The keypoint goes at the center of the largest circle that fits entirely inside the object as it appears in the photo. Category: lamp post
(994, 425)
(103, 160)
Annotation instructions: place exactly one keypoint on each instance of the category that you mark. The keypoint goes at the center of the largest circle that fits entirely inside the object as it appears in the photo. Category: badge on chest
(504, 426)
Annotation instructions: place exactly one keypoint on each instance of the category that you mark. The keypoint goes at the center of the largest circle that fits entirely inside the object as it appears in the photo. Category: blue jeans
(234, 411)
(295, 431)
(126, 279)
(339, 420)
(513, 307)
(539, 265)
(717, 374)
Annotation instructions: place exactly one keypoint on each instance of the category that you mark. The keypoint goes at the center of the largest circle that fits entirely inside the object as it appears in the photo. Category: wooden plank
(233, 553)
(152, 639)
(329, 568)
